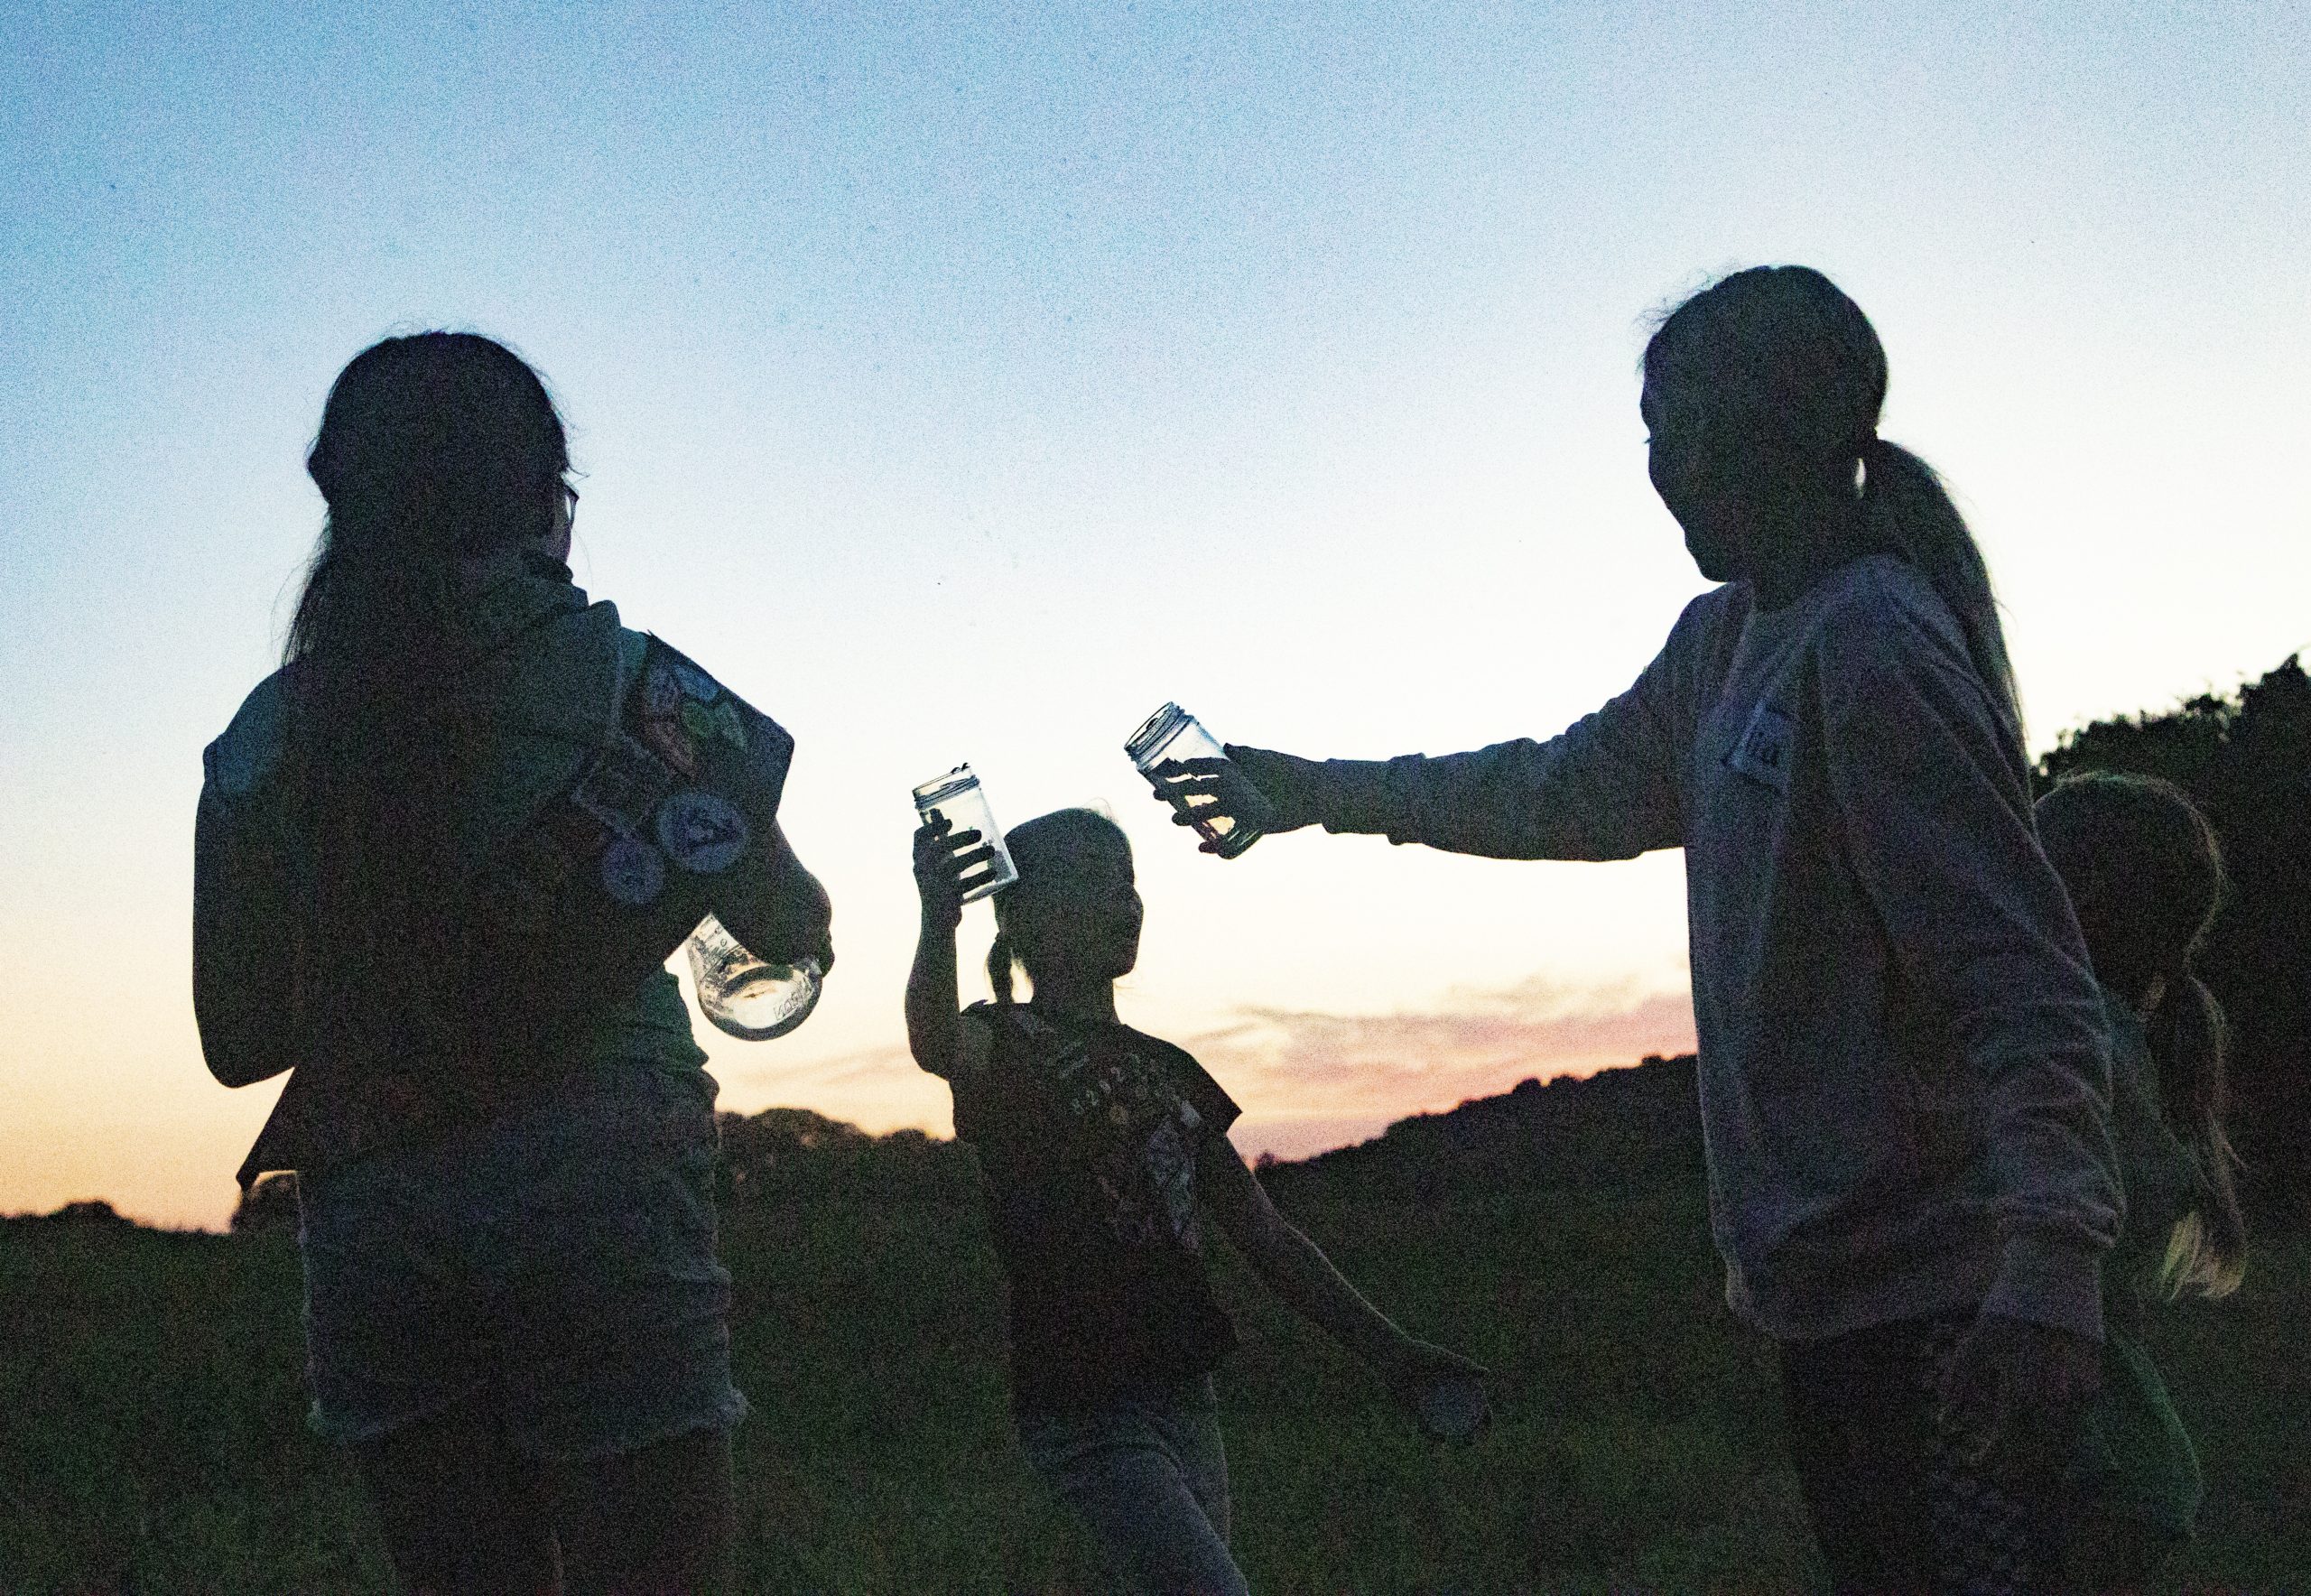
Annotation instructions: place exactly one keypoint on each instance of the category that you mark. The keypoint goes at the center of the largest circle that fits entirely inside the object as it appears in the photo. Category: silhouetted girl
(1100, 1146)
(2145, 874)
(1903, 1056)
(441, 856)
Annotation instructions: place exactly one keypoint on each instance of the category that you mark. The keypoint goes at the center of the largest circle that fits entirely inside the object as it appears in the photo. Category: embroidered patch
(726, 723)
(633, 872)
(671, 744)
(698, 720)
(701, 833)
(696, 682)
(625, 785)
(1764, 751)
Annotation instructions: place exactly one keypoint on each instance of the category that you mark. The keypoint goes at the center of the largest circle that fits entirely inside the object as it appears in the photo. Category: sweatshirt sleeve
(1611, 786)
(1935, 811)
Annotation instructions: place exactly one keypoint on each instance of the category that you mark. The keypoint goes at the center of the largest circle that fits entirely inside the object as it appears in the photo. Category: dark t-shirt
(1088, 1134)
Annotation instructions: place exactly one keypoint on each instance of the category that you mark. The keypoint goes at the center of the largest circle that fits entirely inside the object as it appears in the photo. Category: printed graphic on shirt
(1131, 1127)
(1763, 752)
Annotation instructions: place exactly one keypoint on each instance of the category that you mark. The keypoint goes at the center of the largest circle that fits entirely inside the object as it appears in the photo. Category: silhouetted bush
(91, 1211)
(2245, 759)
(784, 1153)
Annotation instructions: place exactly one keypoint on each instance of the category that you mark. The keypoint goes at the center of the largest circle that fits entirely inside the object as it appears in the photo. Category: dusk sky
(961, 383)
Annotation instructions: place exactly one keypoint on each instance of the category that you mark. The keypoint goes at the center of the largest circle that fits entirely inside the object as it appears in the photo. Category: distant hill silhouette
(1633, 1128)
(2245, 758)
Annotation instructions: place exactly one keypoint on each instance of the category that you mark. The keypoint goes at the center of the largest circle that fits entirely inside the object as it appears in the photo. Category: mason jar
(749, 997)
(1172, 733)
(959, 796)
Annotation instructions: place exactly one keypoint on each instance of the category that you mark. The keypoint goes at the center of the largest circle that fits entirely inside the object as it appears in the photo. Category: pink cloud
(1283, 1065)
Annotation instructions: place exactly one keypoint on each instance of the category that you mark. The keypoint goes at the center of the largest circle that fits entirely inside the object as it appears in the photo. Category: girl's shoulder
(1018, 1027)
(1171, 1053)
(247, 752)
(1883, 609)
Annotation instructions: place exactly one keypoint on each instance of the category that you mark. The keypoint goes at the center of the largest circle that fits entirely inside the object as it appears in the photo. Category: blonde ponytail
(2207, 1250)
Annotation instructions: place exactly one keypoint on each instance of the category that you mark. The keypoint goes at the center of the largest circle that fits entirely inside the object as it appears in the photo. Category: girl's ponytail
(1907, 512)
(2188, 1038)
(998, 967)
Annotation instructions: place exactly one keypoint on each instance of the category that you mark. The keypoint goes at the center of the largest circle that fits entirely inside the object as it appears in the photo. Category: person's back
(544, 674)
(440, 858)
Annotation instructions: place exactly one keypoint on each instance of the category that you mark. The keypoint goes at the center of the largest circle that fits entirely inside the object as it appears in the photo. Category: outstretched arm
(933, 1030)
(1296, 1269)
(1610, 787)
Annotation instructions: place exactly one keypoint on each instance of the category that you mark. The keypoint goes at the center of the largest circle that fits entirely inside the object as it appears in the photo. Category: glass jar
(752, 999)
(959, 796)
(1172, 733)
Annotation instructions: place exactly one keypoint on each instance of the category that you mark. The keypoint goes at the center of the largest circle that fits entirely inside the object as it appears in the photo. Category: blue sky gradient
(963, 381)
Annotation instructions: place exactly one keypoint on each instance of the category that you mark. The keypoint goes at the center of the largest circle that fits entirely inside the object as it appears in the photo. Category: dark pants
(1896, 1508)
(1150, 1477)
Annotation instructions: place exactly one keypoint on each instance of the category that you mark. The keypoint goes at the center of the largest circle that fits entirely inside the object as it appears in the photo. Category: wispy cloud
(1307, 1079)
(1280, 1063)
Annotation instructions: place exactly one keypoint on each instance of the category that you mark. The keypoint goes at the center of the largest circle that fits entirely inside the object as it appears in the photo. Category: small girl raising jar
(1102, 1148)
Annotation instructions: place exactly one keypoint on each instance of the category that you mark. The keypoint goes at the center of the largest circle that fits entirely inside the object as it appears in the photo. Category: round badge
(701, 833)
(633, 872)
(660, 691)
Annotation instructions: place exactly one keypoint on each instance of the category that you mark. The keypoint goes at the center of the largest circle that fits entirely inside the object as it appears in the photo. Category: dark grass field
(151, 1428)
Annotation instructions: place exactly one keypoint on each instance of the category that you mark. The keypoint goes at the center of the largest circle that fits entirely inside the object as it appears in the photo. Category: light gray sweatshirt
(1905, 1076)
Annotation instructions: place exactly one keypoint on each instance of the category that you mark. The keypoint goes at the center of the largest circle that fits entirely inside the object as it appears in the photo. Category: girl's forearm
(1296, 1269)
(932, 1033)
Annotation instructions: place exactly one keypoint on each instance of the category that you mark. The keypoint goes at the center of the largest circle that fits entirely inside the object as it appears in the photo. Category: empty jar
(959, 796)
(1172, 733)
(748, 997)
